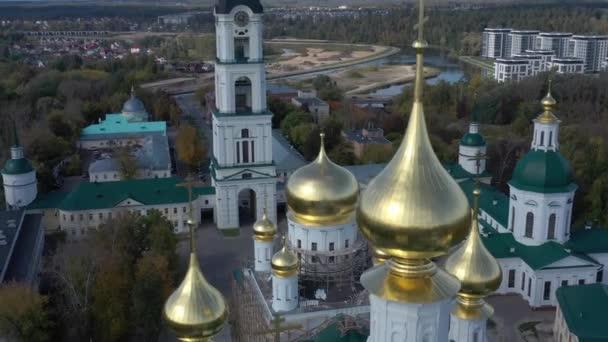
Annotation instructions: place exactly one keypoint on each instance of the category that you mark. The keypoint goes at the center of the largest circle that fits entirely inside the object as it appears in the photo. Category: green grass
(355, 74)
(231, 232)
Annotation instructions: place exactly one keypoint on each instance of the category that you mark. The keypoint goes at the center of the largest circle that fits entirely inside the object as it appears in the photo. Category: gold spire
(322, 192)
(413, 210)
(264, 229)
(284, 262)
(195, 311)
(478, 271)
(548, 102)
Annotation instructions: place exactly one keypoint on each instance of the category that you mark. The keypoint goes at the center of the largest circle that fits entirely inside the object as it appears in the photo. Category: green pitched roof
(151, 191)
(491, 200)
(457, 172)
(504, 245)
(333, 334)
(17, 166)
(584, 310)
(473, 139)
(118, 124)
(545, 172)
(589, 240)
(48, 200)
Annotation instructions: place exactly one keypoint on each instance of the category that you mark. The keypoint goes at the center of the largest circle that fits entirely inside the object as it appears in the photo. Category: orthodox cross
(188, 184)
(421, 21)
(478, 158)
(277, 329)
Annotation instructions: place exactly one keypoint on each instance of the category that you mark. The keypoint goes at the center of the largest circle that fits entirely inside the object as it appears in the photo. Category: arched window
(551, 231)
(252, 151)
(529, 224)
(245, 133)
(542, 138)
(238, 152)
(476, 336)
(245, 152)
(512, 218)
(550, 139)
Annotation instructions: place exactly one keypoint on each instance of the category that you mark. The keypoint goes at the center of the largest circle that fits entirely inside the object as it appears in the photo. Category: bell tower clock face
(241, 19)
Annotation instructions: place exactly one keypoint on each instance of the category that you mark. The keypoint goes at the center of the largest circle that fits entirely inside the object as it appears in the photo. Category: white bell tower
(242, 168)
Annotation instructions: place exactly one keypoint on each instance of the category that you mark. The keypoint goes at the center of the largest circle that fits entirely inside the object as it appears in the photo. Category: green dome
(473, 139)
(17, 166)
(546, 172)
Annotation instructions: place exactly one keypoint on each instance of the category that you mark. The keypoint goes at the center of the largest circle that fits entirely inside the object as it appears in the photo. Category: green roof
(545, 172)
(151, 191)
(48, 200)
(593, 240)
(17, 166)
(118, 124)
(332, 333)
(457, 172)
(473, 139)
(584, 310)
(491, 200)
(504, 245)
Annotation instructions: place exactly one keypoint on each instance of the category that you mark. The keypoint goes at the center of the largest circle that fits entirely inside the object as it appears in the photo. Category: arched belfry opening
(242, 95)
(247, 207)
(241, 49)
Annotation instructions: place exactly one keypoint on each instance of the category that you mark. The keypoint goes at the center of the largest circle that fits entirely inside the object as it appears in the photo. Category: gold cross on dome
(189, 183)
(421, 21)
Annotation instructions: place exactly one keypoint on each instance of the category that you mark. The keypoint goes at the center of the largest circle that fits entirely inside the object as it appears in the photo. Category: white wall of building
(284, 293)
(21, 189)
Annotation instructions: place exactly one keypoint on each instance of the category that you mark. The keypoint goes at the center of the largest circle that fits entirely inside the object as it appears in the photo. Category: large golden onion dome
(284, 263)
(414, 208)
(195, 311)
(322, 192)
(476, 268)
(264, 229)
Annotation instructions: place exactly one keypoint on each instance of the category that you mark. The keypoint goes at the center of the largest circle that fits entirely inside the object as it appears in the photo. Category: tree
(189, 146)
(377, 153)
(127, 162)
(299, 134)
(23, 313)
(152, 286)
(293, 120)
(342, 154)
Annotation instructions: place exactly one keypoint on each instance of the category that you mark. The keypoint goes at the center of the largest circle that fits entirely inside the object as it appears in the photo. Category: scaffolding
(333, 270)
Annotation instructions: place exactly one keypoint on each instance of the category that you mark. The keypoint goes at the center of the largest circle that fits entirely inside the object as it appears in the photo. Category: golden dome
(264, 229)
(414, 208)
(548, 103)
(478, 271)
(322, 192)
(284, 262)
(196, 310)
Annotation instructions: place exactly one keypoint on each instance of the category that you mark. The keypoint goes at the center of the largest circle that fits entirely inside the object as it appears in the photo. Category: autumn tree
(127, 162)
(189, 146)
(23, 314)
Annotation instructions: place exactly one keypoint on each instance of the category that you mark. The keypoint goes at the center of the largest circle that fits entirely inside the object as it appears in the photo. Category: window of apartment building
(299, 243)
(313, 246)
(547, 291)
(581, 281)
(331, 246)
(511, 282)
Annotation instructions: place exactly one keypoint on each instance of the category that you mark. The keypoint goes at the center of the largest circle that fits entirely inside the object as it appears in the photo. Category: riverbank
(482, 63)
(358, 81)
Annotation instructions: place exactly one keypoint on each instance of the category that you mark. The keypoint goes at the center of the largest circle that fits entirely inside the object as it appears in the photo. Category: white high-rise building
(519, 41)
(592, 49)
(494, 42)
(554, 41)
(242, 167)
(18, 177)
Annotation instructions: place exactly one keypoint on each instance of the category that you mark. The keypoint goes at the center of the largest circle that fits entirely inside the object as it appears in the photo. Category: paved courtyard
(510, 311)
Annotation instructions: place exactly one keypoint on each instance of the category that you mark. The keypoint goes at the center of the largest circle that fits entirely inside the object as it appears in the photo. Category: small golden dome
(322, 192)
(476, 268)
(414, 208)
(548, 103)
(264, 229)
(196, 310)
(284, 262)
